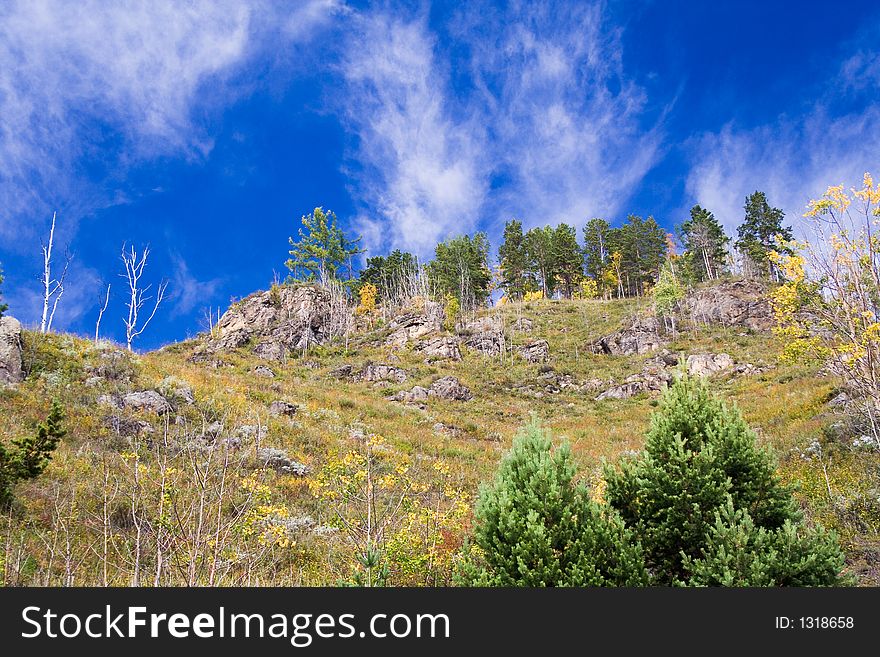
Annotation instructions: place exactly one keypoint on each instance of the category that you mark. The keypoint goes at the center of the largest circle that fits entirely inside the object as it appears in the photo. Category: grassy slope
(785, 404)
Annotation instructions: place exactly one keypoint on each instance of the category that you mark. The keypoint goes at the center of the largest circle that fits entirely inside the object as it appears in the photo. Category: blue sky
(207, 129)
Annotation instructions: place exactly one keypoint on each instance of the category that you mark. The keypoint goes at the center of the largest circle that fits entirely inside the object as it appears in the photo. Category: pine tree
(539, 252)
(3, 306)
(642, 245)
(536, 527)
(461, 269)
(567, 258)
(705, 244)
(388, 274)
(700, 458)
(513, 261)
(322, 251)
(598, 236)
(31, 454)
(760, 234)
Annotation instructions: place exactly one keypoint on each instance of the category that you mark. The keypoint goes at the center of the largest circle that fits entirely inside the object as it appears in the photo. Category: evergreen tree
(598, 236)
(535, 527)
(759, 234)
(642, 245)
(567, 258)
(705, 244)
(30, 455)
(461, 269)
(700, 458)
(322, 251)
(3, 306)
(539, 252)
(667, 293)
(388, 273)
(513, 260)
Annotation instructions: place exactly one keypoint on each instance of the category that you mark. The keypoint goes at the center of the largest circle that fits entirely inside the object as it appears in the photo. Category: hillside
(224, 459)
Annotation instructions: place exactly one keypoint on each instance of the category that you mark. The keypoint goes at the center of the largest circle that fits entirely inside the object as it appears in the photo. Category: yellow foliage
(367, 293)
(536, 295)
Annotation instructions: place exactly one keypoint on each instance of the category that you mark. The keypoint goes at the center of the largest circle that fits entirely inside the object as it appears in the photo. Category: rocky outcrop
(730, 303)
(282, 408)
(523, 325)
(642, 336)
(282, 320)
(441, 348)
(263, 371)
(414, 325)
(147, 400)
(708, 364)
(537, 351)
(11, 372)
(485, 335)
(383, 372)
(447, 387)
(278, 460)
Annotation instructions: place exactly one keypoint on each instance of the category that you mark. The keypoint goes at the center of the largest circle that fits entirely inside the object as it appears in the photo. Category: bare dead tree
(101, 313)
(53, 288)
(134, 270)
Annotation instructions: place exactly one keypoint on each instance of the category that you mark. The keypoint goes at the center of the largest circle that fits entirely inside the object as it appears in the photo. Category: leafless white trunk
(53, 289)
(134, 270)
(101, 313)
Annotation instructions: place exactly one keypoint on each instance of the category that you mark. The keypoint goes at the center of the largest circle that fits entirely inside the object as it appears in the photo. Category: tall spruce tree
(568, 258)
(705, 244)
(598, 236)
(759, 234)
(642, 245)
(534, 526)
(701, 488)
(539, 252)
(461, 269)
(513, 260)
(323, 251)
(388, 273)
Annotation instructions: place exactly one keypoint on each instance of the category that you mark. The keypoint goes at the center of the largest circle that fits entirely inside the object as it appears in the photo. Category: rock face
(382, 372)
(447, 387)
(147, 400)
(441, 348)
(485, 335)
(641, 337)
(10, 352)
(414, 325)
(537, 351)
(282, 320)
(731, 303)
(708, 364)
(523, 324)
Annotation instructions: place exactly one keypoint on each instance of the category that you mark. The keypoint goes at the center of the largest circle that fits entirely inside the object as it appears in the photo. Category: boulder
(489, 344)
(263, 371)
(342, 372)
(11, 372)
(176, 391)
(147, 400)
(449, 387)
(730, 303)
(279, 407)
(278, 460)
(708, 364)
(640, 337)
(281, 320)
(383, 372)
(440, 348)
(414, 325)
(537, 351)
(416, 394)
(523, 324)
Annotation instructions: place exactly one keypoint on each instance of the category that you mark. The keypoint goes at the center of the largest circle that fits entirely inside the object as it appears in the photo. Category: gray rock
(537, 351)
(523, 325)
(250, 431)
(441, 348)
(640, 337)
(278, 460)
(708, 364)
(11, 372)
(265, 372)
(109, 400)
(177, 391)
(416, 394)
(147, 400)
(730, 303)
(383, 372)
(342, 372)
(279, 408)
(127, 426)
(449, 387)
(414, 325)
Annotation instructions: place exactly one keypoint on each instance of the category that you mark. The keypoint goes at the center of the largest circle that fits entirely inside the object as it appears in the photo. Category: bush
(536, 527)
(30, 455)
(707, 506)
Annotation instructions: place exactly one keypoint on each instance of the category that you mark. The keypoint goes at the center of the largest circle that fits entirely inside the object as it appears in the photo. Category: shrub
(536, 527)
(30, 455)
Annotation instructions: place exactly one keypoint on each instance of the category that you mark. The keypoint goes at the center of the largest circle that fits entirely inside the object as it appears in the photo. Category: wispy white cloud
(186, 291)
(535, 98)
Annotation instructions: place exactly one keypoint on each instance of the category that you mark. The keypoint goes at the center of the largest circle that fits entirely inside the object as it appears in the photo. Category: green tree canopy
(322, 251)
(534, 526)
(539, 252)
(702, 488)
(513, 260)
(30, 455)
(642, 245)
(567, 258)
(705, 244)
(759, 233)
(461, 268)
(597, 240)
(389, 273)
